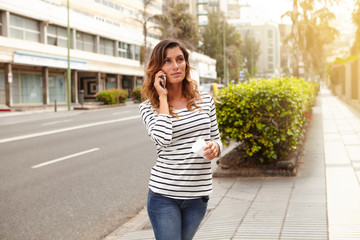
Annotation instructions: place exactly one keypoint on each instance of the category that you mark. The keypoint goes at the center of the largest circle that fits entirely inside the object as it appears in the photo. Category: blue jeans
(175, 219)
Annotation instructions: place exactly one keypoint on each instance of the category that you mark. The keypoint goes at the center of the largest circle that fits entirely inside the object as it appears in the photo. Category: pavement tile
(335, 151)
(351, 139)
(353, 152)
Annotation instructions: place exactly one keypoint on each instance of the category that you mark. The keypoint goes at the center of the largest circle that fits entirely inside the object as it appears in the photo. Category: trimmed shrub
(136, 94)
(112, 96)
(267, 116)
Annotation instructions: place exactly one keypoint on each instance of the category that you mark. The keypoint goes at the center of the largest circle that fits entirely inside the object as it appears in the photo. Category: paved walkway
(321, 202)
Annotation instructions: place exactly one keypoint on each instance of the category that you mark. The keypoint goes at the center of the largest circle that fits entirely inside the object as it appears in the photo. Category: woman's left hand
(211, 150)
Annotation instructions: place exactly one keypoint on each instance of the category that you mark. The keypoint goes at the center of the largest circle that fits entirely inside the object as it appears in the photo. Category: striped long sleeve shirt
(180, 173)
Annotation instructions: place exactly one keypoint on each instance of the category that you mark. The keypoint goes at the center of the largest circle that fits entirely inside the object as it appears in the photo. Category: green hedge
(266, 115)
(112, 96)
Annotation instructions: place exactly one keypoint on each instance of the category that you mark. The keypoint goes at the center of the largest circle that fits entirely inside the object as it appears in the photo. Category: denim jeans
(175, 219)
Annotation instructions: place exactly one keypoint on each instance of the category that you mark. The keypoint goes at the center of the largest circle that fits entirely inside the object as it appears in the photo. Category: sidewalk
(20, 111)
(321, 202)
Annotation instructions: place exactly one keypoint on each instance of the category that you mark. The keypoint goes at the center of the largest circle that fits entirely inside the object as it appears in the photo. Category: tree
(145, 49)
(310, 34)
(176, 22)
(317, 36)
(212, 42)
(292, 39)
(250, 51)
(356, 20)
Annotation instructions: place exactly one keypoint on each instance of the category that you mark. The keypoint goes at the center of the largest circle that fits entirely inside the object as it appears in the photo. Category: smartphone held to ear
(163, 77)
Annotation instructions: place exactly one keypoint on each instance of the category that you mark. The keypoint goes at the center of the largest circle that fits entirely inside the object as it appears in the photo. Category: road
(72, 175)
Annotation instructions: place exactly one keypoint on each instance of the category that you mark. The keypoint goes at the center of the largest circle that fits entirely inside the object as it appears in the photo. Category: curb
(136, 222)
(98, 106)
(5, 109)
(74, 106)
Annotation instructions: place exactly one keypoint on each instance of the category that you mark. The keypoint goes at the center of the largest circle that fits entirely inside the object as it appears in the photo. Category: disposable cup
(198, 146)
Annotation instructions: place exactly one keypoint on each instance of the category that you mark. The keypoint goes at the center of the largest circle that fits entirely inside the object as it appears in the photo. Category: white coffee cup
(198, 146)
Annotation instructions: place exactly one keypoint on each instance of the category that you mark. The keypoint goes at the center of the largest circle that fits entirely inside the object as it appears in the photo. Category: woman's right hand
(158, 83)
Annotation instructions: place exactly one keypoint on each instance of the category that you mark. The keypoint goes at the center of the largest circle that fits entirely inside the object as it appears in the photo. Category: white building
(267, 34)
(106, 37)
(204, 67)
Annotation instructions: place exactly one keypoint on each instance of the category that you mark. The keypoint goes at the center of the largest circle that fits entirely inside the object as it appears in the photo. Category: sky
(262, 10)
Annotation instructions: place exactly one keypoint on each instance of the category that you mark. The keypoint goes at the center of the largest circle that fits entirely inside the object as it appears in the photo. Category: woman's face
(174, 65)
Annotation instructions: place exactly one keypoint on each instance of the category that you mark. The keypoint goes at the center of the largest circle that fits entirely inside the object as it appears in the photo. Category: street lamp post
(252, 58)
(224, 49)
(68, 59)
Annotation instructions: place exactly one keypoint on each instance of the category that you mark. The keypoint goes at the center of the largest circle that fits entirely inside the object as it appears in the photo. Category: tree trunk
(295, 32)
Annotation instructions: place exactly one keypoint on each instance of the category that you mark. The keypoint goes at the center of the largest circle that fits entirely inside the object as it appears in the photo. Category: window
(110, 83)
(202, 9)
(27, 88)
(122, 49)
(137, 53)
(57, 88)
(89, 43)
(270, 66)
(129, 51)
(270, 58)
(57, 36)
(203, 20)
(139, 81)
(85, 42)
(24, 28)
(270, 33)
(270, 51)
(107, 46)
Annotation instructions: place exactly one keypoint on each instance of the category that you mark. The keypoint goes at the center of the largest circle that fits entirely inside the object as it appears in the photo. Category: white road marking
(11, 139)
(64, 158)
(56, 122)
(118, 113)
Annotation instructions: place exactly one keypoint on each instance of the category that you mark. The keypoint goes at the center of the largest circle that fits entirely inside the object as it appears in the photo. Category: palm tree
(176, 22)
(295, 37)
(306, 39)
(356, 20)
(145, 49)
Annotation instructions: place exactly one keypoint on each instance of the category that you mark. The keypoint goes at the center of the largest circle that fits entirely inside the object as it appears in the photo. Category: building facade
(106, 37)
(267, 34)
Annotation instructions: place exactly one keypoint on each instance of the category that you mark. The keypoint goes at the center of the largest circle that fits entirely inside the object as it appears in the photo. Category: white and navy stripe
(179, 173)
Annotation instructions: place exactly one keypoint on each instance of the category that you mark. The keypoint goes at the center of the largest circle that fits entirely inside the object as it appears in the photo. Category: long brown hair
(189, 86)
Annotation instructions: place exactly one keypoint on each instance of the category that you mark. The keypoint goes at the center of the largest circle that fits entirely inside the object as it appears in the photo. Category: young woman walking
(176, 115)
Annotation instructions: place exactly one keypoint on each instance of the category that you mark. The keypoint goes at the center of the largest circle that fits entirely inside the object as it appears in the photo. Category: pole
(224, 48)
(68, 59)
(252, 57)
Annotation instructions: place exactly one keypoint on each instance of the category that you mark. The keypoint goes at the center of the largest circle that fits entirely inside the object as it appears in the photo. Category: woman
(176, 115)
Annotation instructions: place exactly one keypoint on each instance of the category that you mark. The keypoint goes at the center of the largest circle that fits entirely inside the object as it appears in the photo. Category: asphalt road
(72, 175)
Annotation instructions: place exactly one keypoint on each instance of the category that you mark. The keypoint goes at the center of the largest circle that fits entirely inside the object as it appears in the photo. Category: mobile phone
(163, 77)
